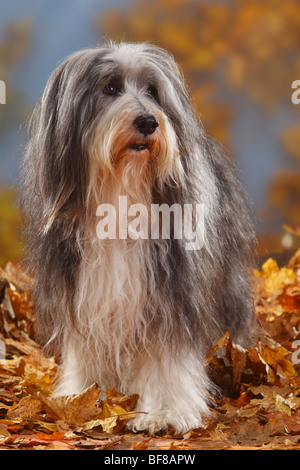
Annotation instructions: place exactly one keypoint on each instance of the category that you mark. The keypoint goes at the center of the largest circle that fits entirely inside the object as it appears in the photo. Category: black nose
(146, 124)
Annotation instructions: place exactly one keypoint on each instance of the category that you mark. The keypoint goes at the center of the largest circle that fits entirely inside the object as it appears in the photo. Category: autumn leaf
(86, 411)
(221, 343)
(73, 409)
(259, 406)
(116, 411)
(274, 278)
(141, 445)
(25, 409)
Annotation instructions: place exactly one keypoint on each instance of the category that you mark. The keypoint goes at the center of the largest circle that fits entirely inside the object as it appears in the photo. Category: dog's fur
(139, 315)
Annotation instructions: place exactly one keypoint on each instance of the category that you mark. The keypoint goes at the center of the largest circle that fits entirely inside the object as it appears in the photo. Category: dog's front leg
(77, 370)
(173, 393)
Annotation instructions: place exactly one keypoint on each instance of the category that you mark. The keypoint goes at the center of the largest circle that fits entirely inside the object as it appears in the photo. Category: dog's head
(116, 115)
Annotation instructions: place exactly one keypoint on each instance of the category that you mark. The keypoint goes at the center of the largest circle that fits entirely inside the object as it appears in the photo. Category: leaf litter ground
(260, 407)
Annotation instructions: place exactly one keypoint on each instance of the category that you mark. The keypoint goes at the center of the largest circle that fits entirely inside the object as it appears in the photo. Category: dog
(138, 314)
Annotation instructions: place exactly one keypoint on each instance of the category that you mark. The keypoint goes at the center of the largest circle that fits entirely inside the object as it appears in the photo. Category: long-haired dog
(137, 314)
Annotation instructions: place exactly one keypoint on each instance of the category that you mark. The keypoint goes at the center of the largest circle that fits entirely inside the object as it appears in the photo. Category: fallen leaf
(282, 405)
(221, 343)
(25, 409)
(141, 445)
(259, 407)
(276, 358)
(75, 410)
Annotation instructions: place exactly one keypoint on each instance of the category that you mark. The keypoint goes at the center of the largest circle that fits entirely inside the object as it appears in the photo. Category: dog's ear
(57, 153)
(54, 185)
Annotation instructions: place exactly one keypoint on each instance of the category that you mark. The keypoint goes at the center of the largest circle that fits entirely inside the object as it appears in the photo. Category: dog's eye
(152, 91)
(110, 89)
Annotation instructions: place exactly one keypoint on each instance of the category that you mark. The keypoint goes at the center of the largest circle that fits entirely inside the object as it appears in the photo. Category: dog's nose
(146, 124)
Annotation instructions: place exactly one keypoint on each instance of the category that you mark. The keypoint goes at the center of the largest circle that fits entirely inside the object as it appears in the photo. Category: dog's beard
(125, 162)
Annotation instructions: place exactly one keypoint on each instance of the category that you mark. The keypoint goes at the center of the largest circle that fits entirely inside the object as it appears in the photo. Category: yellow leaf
(276, 359)
(109, 424)
(282, 405)
(269, 267)
(277, 280)
(112, 410)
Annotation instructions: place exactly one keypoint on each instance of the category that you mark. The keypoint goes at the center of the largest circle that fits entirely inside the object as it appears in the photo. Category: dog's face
(135, 134)
(115, 115)
(133, 124)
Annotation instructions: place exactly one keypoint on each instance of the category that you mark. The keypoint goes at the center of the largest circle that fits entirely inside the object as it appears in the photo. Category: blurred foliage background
(14, 46)
(239, 58)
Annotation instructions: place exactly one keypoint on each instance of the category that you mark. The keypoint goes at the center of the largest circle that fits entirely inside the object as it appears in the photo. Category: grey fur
(208, 291)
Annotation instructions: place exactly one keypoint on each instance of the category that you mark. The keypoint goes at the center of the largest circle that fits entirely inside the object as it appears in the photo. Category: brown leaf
(239, 359)
(276, 358)
(74, 409)
(221, 343)
(25, 409)
(141, 445)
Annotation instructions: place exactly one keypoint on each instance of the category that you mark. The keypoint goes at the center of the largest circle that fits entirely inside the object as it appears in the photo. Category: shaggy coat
(139, 315)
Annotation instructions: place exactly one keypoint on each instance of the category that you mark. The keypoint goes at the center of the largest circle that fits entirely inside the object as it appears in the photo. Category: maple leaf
(73, 409)
(86, 411)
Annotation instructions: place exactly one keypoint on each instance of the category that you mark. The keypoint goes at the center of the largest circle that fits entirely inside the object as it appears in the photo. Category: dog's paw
(162, 421)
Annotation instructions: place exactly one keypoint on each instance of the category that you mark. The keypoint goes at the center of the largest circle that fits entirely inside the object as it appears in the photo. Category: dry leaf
(260, 406)
(75, 410)
(276, 358)
(223, 341)
(25, 409)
